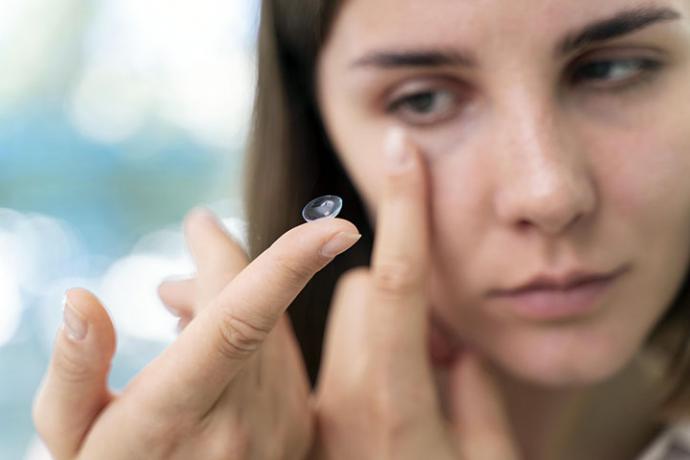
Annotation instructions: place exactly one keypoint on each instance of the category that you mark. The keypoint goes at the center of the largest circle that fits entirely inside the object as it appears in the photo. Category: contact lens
(327, 206)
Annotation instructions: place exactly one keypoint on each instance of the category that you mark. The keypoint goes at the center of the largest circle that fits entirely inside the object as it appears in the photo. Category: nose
(545, 181)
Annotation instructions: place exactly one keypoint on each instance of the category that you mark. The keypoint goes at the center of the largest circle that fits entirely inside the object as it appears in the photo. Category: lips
(559, 282)
(547, 298)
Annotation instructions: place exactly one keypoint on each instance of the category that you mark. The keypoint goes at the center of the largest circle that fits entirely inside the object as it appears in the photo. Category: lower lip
(551, 304)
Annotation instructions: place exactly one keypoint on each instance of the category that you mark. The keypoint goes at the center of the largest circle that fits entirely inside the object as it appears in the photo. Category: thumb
(479, 419)
(74, 389)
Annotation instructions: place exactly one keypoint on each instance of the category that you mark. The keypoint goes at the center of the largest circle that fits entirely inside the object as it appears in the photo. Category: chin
(561, 358)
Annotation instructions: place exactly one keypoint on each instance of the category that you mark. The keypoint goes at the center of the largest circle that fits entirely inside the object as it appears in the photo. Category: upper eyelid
(622, 49)
(427, 83)
(433, 83)
(609, 51)
(419, 86)
(616, 53)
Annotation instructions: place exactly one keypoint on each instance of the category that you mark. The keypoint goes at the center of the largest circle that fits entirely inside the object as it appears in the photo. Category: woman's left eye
(425, 107)
(622, 71)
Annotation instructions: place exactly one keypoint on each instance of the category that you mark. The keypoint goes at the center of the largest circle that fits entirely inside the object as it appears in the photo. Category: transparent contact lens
(327, 206)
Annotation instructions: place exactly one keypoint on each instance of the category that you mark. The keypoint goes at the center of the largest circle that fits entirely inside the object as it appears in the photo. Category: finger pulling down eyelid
(401, 253)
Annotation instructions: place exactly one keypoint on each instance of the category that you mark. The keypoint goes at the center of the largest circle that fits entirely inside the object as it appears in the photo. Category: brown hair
(290, 161)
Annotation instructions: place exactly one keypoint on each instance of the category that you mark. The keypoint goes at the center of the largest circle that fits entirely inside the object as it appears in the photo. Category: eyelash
(646, 70)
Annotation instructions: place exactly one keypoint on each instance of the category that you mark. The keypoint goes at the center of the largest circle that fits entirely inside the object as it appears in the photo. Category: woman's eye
(425, 107)
(621, 72)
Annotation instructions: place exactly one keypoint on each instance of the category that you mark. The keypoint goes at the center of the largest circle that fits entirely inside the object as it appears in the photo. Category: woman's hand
(376, 397)
(231, 386)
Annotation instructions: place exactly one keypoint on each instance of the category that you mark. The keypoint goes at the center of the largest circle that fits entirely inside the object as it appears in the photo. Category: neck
(612, 420)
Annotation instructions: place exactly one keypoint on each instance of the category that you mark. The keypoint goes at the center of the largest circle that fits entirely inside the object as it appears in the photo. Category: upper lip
(554, 281)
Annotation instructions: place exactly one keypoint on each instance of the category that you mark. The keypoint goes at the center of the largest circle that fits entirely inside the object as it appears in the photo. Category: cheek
(643, 216)
(459, 213)
(647, 180)
(646, 202)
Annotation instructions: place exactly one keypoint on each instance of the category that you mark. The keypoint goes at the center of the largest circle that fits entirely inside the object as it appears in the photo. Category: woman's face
(546, 154)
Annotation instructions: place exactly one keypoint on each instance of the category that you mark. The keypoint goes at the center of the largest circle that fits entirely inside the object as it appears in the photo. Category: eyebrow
(622, 23)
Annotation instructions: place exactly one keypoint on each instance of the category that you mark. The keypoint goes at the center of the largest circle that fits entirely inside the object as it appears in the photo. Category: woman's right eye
(425, 108)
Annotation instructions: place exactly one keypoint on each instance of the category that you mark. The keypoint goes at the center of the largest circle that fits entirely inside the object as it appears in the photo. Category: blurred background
(116, 118)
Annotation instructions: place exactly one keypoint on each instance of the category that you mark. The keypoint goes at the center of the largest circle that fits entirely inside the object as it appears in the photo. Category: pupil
(422, 102)
(597, 69)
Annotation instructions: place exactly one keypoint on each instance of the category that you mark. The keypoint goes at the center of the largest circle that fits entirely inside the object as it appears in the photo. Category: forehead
(475, 24)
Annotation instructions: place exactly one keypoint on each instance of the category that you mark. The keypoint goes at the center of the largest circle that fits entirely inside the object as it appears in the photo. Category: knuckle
(405, 180)
(403, 184)
(159, 434)
(71, 367)
(396, 277)
(239, 337)
(294, 272)
(163, 431)
(395, 408)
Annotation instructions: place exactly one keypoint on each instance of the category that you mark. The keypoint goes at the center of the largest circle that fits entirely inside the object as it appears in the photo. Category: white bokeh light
(10, 311)
(129, 286)
(129, 290)
(111, 103)
(168, 61)
(37, 450)
(34, 250)
(35, 36)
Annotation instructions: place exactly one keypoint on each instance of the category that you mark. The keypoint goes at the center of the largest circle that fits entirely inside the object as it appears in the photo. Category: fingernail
(397, 151)
(339, 243)
(75, 325)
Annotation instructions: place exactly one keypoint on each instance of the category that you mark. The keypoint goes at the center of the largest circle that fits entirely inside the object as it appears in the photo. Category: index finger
(195, 370)
(401, 256)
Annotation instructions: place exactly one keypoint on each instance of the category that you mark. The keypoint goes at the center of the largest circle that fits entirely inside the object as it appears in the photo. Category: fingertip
(84, 302)
(395, 140)
(200, 212)
(400, 153)
(165, 287)
(355, 281)
(318, 242)
(347, 226)
(87, 307)
(330, 227)
(177, 296)
(196, 217)
(74, 388)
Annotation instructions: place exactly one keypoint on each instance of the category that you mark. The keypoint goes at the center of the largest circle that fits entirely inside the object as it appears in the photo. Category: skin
(527, 162)
(232, 384)
(553, 174)
(232, 379)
